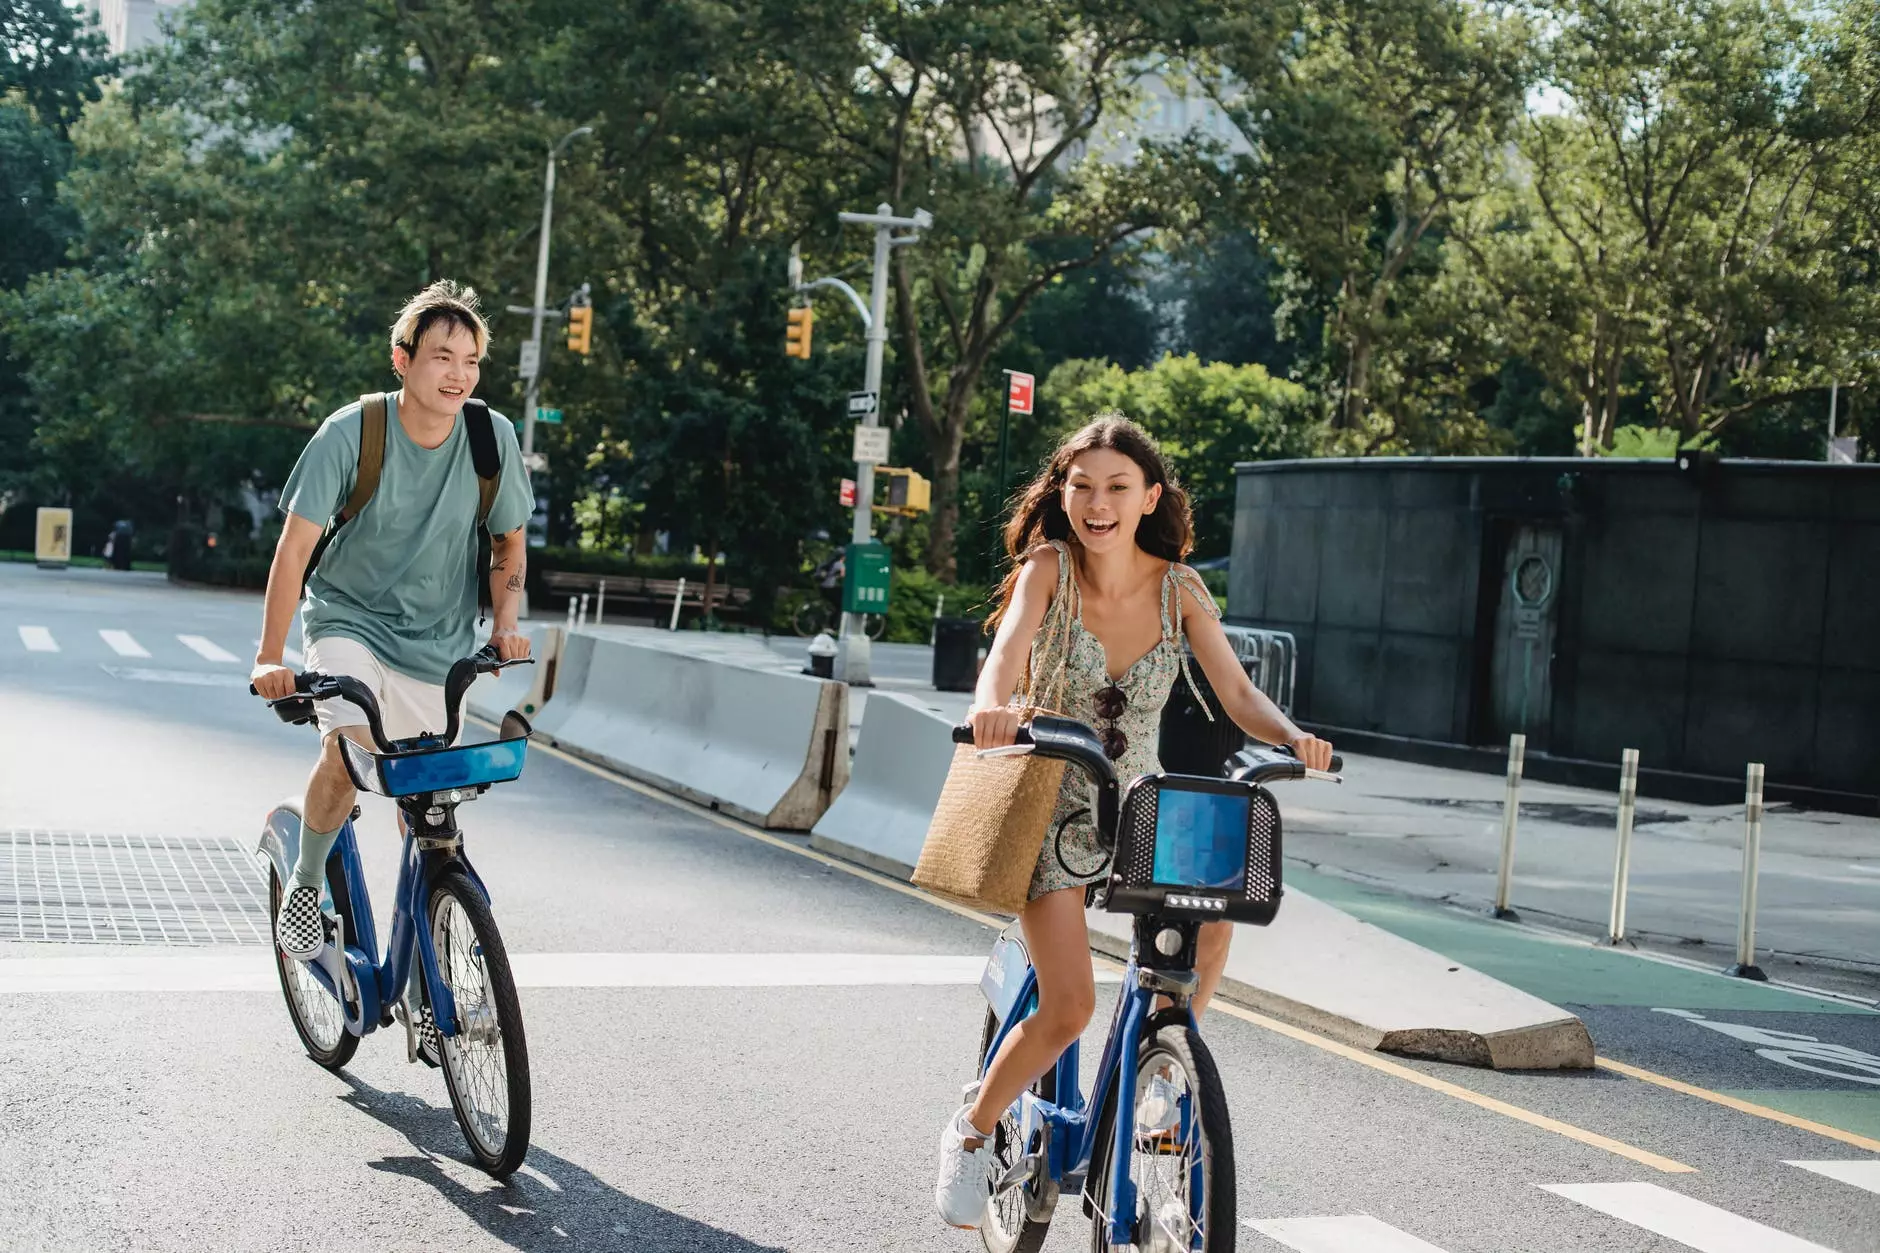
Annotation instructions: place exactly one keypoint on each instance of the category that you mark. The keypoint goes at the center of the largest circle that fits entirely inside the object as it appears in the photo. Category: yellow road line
(1740, 1105)
(1376, 1062)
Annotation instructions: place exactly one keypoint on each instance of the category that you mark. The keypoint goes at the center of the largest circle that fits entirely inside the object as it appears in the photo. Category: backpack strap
(372, 430)
(484, 455)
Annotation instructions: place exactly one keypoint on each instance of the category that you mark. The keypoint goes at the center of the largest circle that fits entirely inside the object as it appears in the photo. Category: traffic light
(908, 492)
(580, 328)
(796, 339)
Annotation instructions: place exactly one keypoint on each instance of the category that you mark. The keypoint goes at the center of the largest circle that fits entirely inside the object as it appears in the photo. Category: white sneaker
(965, 1186)
(298, 928)
(1160, 1107)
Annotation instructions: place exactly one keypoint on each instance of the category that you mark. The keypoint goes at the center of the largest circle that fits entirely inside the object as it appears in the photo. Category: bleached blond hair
(446, 302)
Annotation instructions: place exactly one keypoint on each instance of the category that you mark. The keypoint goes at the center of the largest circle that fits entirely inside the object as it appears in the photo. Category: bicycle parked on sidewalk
(458, 1004)
(1184, 850)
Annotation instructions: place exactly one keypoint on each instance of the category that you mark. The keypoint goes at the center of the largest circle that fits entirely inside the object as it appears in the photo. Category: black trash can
(1190, 744)
(120, 543)
(956, 654)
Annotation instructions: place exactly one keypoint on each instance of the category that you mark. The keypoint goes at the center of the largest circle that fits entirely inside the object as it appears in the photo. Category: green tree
(1205, 417)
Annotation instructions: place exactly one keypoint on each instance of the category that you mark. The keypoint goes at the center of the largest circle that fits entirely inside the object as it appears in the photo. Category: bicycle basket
(1191, 847)
(436, 769)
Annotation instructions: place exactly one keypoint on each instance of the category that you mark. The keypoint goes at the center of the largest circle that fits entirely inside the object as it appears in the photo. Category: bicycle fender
(279, 845)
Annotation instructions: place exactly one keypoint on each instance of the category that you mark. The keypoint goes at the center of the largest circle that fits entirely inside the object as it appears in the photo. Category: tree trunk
(950, 434)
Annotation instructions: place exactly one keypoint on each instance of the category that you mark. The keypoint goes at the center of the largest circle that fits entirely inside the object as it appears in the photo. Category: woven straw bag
(990, 824)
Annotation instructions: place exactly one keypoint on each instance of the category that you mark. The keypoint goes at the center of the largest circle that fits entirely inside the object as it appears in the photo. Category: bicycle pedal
(1020, 1171)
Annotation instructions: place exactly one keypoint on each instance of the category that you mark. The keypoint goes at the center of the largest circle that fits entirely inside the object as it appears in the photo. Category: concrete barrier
(769, 748)
(524, 688)
(901, 762)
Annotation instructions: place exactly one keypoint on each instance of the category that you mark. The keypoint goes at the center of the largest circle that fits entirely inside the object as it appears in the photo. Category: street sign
(547, 415)
(869, 569)
(871, 444)
(1018, 392)
(847, 495)
(531, 359)
(861, 404)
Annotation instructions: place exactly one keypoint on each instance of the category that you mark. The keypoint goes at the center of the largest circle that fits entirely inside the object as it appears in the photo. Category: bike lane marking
(1104, 965)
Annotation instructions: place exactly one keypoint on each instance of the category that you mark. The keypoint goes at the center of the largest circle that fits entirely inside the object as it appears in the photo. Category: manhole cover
(82, 887)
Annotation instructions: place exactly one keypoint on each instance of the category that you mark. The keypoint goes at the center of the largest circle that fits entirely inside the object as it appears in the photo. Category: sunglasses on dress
(1110, 704)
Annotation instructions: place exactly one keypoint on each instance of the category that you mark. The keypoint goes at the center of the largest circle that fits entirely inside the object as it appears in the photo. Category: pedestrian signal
(796, 338)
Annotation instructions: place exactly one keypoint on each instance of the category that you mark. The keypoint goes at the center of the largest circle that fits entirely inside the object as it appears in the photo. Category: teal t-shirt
(400, 577)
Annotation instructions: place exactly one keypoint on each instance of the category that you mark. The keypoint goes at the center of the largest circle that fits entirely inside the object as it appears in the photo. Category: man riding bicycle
(384, 515)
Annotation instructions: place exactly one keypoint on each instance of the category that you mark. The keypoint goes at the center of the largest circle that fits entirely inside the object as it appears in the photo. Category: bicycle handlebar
(313, 685)
(1050, 736)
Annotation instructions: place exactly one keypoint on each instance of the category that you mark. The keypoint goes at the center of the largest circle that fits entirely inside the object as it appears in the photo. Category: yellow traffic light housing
(796, 338)
(580, 328)
(908, 492)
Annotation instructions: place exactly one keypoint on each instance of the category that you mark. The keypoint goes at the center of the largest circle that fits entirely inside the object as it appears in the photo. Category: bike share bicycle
(459, 1006)
(1184, 850)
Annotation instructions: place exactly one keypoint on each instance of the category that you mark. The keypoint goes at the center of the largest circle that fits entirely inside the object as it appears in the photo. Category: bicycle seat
(462, 767)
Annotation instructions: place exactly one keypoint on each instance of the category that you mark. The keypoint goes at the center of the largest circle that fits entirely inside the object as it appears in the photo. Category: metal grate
(82, 887)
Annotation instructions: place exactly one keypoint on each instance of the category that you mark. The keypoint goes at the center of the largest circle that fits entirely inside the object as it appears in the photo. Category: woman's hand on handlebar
(272, 681)
(1313, 751)
(994, 726)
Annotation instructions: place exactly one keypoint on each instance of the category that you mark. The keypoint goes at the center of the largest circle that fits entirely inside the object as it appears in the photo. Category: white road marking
(192, 678)
(38, 640)
(122, 644)
(208, 650)
(1864, 1173)
(292, 656)
(248, 969)
(1684, 1219)
(1356, 1233)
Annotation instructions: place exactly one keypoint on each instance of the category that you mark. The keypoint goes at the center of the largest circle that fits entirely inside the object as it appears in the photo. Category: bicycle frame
(1071, 1130)
(357, 967)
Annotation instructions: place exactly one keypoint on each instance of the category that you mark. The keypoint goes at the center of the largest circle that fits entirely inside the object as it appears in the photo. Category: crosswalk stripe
(1685, 1219)
(208, 650)
(1355, 1233)
(122, 644)
(38, 640)
(1863, 1173)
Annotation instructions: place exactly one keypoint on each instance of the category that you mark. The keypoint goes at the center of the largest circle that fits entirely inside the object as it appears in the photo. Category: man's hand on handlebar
(271, 680)
(1313, 751)
(509, 644)
(994, 727)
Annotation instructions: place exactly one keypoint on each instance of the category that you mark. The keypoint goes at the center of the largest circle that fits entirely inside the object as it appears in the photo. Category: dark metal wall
(1705, 619)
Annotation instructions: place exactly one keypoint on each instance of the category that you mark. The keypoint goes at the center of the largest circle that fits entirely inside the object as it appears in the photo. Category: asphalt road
(725, 1098)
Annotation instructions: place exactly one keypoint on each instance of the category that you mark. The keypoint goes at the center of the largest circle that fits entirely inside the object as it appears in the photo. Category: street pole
(855, 658)
(541, 291)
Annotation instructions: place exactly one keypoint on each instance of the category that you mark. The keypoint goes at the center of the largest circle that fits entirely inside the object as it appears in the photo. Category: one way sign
(861, 404)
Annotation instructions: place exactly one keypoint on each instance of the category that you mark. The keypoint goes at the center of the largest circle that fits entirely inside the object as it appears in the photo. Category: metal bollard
(1510, 815)
(600, 603)
(583, 619)
(1746, 967)
(571, 615)
(1622, 858)
(678, 598)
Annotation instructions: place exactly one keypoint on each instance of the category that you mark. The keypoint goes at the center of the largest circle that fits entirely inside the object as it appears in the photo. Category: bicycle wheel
(874, 625)
(811, 617)
(316, 1014)
(1020, 1217)
(1185, 1177)
(486, 1064)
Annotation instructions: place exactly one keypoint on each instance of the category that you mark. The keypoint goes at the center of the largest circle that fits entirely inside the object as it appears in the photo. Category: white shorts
(407, 706)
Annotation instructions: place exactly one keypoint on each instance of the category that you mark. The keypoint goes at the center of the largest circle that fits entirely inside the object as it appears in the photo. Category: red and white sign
(1018, 392)
(847, 497)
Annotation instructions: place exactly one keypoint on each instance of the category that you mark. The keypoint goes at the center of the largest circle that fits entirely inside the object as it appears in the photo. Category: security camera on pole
(865, 570)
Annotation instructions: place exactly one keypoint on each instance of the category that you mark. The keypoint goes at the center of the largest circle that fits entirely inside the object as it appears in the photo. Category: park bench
(640, 596)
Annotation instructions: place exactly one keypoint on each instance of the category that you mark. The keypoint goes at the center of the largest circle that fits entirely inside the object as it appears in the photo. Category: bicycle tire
(298, 984)
(811, 618)
(874, 625)
(1014, 1229)
(492, 1006)
(1206, 1131)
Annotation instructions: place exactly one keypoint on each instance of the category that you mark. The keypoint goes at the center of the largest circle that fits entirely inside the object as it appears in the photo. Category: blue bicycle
(1153, 1159)
(461, 1011)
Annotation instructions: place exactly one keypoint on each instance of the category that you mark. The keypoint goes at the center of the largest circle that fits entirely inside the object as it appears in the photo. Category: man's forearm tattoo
(515, 582)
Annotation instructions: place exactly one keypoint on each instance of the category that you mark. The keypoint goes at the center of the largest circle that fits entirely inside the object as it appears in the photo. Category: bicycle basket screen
(1201, 839)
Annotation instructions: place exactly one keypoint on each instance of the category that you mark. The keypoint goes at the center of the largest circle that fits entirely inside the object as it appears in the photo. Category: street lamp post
(855, 658)
(541, 292)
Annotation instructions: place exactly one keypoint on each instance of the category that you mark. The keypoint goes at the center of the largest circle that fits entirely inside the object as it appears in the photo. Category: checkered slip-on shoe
(297, 929)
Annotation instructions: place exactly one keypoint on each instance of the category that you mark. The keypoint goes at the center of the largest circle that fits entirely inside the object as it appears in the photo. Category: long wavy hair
(1168, 532)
